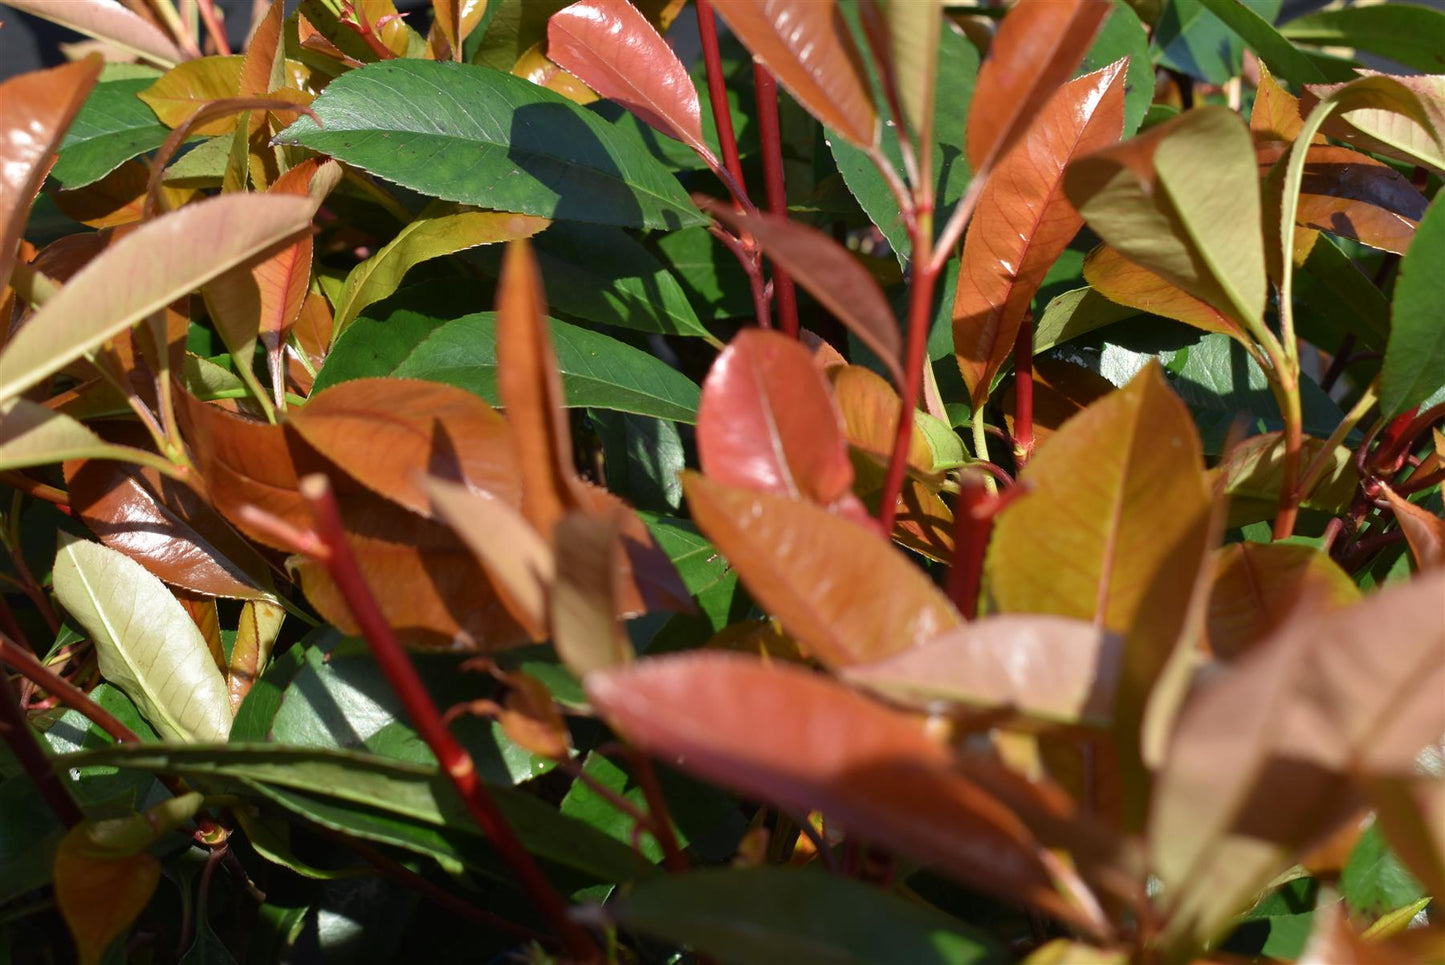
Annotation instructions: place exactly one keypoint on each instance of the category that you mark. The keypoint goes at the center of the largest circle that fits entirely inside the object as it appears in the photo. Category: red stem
(920, 302)
(972, 522)
(660, 819)
(717, 93)
(214, 28)
(1024, 391)
(26, 747)
(456, 763)
(786, 297)
(26, 664)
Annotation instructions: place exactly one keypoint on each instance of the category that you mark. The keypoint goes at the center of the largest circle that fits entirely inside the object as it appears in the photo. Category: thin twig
(26, 748)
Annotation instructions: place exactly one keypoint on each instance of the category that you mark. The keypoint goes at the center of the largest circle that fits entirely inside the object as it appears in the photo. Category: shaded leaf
(807, 47)
(144, 272)
(107, 21)
(116, 199)
(1407, 33)
(585, 630)
(914, 30)
(1023, 222)
(256, 634)
(1283, 57)
(1415, 353)
(487, 138)
(146, 643)
(100, 892)
(1037, 48)
(1125, 283)
(1190, 39)
(458, 18)
(33, 435)
(816, 573)
(1257, 587)
(1255, 471)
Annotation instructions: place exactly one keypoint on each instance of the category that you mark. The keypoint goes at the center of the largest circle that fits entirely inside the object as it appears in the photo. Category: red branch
(973, 513)
(26, 747)
(1024, 391)
(717, 92)
(772, 142)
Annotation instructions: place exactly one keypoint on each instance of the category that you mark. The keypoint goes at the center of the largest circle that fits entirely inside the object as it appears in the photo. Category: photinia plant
(776, 482)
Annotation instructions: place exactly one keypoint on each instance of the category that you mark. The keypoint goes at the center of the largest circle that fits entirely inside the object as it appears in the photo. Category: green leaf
(112, 127)
(1407, 33)
(480, 136)
(1374, 881)
(715, 284)
(783, 916)
(29, 836)
(1190, 39)
(642, 458)
(597, 371)
(339, 780)
(146, 642)
(33, 435)
(1123, 35)
(1281, 56)
(1338, 299)
(1414, 367)
(1075, 313)
(957, 73)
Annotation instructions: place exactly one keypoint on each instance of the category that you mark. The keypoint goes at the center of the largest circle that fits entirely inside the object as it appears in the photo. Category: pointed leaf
(188, 87)
(1415, 353)
(32, 435)
(585, 630)
(441, 229)
(1037, 48)
(803, 742)
(913, 33)
(487, 138)
(1044, 667)
(1424, 531)
(1123, 282)
(807, 47)
(818, 574)
(1276, 113)
(256, 634)
(1023, 222)
(108, 21)
(35, 110)
(1258, 585)
(146, 643)
(458, 18)
(767, 421)
(144, 272)
(829, 272)
(612, 48)
(388, 433)
(1183, 200)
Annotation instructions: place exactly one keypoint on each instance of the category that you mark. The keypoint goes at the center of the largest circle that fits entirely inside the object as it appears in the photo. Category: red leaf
(612, 48)
(1023, 222)
(1039, 45)
(1424, 531)
(807, 47)
(767, 421)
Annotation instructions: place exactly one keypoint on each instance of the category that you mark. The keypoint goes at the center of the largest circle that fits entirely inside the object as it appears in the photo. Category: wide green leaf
(1414, 367)
(598, 371)
(1123, 35)
(1407, 33)
(146, 642)
(113, 126)
(1190, 39)
(144, 272)
(1282, 57)
(480, 136)
(786, 916)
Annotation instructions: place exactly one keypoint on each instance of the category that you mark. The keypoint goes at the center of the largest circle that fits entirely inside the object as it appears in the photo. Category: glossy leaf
(815, 572)
(597, 370)
(803, 742)
(1123, 282)
(35, 110)
(1257, 587)
(458, 18)
(585, 630)
(1415, 353)
(807, 47)
(1424, 531)
(1023, 222)
(441, 229)
(1044, 667)
(479, 136)
(786, 916)
(167, 528)
(387, 433)
(113, 126)
(612, 48)
(1406, 33)
(146, 643)
(144, 272)
(830, 273)
(1037, 48)
(1183, 201)
(1124, 35)
(767, 422)
(107, 21)
(186, 88)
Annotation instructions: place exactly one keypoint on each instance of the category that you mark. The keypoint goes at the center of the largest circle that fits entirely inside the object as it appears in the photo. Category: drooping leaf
(387, 433)
(1037, 48)
(785, 916)
(167, 528)
(37, 109)
(33, 435)
(585, 629)
(1023, 222)
(767, 421)
(830, 273)
(612, 48)
(441, 229)
(1415, 354)
(480, 136)
(113, 126)
(1183, 200)
(144, 272)
(914, 30)
(107, 21)
(146, 643)
(1123, 282)
(1044, 667)
(598, 371)
(804, 742)
(1401, 117)
(1257, 587)
(818, 574)
(1406, 33)
(807, 47)
(190, 86)
(1424, 531)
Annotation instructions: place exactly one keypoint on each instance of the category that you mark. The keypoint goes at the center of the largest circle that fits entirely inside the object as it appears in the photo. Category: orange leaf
(807, 47)
(585, 629)
(1039, 45)
(1023, 222)
(1257, 586)
(1120, 280)
(99, 893)
(1276, 115)
(1424, 531)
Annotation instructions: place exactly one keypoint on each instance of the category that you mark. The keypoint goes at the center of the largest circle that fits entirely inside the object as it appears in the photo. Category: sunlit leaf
(189, 86)
(107, 21)
(1415, 354)
(1125, 283)
(457, 19)
(113, 126)
(1255, 471)
(146, 643)
(819, 574)
(1402, 117)
(1257, 587)
(1023, 222)
(1404, 32)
